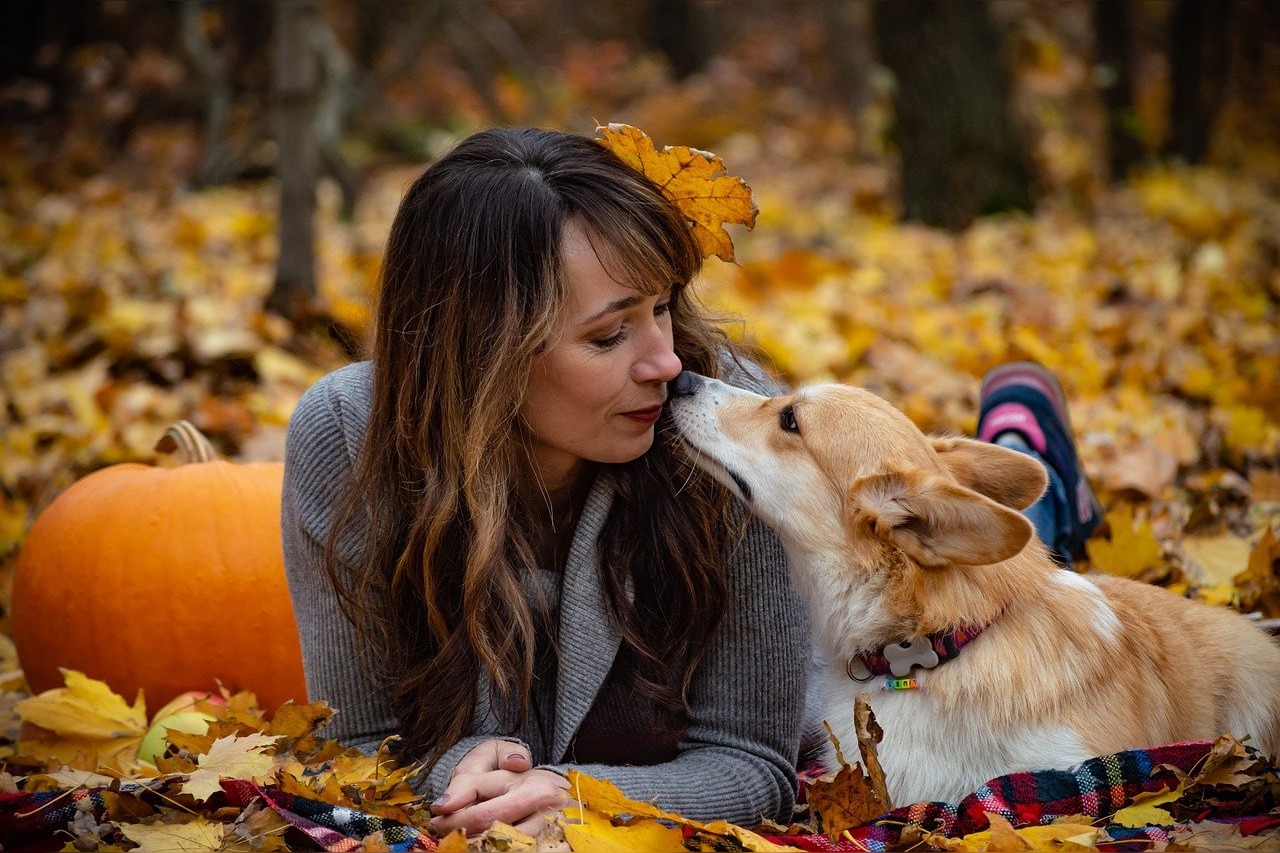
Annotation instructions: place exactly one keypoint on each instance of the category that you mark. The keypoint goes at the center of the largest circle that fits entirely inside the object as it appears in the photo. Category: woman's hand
(495, 781)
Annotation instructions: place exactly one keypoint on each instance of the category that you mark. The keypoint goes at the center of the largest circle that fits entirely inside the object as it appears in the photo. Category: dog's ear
(1006, 476)
(936, 522)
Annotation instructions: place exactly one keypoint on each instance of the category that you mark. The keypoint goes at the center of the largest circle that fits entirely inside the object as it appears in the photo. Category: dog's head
(832, 465)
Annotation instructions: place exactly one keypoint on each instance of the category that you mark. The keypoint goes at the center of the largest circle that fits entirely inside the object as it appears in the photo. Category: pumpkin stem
(189, 441)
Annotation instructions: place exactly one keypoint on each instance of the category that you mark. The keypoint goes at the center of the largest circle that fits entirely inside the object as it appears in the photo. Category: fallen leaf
(1145, 468)
(604, 797)
(586, 829)
(843, 801)
(85, 709)
(1216, 560)
(193, 837)
(231, 757)
(1132, 550)
(504, 838)
(1144, 815)
(1264, 485)
(454, 842)
(869, 735)
(694, 180)
(1001, 837)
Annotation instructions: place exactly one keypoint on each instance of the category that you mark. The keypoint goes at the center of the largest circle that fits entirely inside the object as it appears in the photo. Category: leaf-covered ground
(128, 303)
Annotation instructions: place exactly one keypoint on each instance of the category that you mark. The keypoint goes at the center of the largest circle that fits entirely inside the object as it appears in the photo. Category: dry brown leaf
(1264, 485)
(1004, 838)
(1259, 583)
(194, 837)
(454, 842)
(231, 757)
(870, 734)
(842, 800)
(298, 725)
(694, 180)
(1145, 468)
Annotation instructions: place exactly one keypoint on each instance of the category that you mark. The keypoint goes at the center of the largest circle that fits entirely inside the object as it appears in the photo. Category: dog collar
(898, 659)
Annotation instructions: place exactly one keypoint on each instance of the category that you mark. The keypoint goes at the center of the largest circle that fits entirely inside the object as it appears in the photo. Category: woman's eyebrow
(620, 304)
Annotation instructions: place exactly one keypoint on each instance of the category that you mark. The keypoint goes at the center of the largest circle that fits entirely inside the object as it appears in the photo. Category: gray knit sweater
(735, 758)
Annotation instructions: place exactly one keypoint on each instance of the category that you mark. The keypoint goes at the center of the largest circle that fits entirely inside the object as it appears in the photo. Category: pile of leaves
(243, 780)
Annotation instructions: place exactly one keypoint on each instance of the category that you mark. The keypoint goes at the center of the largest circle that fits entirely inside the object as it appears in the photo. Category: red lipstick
(644, 416)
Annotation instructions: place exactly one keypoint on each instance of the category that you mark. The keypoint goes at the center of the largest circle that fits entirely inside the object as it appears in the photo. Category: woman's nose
(659, 363)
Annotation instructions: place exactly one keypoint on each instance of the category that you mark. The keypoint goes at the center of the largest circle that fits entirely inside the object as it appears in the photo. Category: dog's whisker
(693, 469)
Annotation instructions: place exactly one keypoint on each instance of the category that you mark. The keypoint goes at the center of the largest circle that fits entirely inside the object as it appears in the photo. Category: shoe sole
(1036, 375)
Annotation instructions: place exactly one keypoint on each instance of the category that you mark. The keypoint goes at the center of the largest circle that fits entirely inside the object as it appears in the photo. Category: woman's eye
(662, 308)
(787, 420)
(611, 341)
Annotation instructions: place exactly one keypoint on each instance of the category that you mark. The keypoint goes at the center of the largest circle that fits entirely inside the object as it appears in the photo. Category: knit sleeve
(319, 452)
(737, 760)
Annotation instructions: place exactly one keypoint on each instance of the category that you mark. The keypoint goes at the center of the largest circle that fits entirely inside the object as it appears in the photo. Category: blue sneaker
(1025, 398)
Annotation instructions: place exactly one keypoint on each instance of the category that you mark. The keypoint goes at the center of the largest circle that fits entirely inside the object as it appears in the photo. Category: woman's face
(596, 393)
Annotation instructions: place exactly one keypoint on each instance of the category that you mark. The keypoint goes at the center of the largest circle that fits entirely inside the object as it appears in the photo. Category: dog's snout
(686, 384)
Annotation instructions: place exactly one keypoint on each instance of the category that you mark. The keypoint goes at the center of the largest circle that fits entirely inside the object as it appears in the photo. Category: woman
(495, 550)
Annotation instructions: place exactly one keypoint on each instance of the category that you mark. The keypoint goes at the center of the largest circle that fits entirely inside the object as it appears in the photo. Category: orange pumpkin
(162, 579)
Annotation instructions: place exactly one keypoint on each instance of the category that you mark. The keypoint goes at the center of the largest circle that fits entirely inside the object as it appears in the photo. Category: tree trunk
(1113, 35)
(962, 155)
(1198, 63)
(849, 41)
(296, 84)
(681, 29)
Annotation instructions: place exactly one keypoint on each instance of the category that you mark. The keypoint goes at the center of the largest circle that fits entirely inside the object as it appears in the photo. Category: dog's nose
(686, 384)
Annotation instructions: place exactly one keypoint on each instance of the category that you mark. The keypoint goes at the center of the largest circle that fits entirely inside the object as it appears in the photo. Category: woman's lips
(644, 416)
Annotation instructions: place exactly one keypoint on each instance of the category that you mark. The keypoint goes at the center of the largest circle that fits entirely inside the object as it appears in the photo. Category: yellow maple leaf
(231, 757)
(1002, 837)
(596, 832)
(604, 797)
(86, 708)
(694, 180)
(1143, 815)
(1132, 550)
(84, 726)
(192, 837)
(1216, 560)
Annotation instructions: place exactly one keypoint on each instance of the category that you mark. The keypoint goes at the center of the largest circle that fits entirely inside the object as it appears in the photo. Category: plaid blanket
(1100, 786)
(38, 821)
(1096, 788)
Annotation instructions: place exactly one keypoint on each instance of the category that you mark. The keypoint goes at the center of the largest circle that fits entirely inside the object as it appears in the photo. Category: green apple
(183, 714)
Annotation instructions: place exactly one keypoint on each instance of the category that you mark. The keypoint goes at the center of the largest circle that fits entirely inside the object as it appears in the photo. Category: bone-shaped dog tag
(903, 656)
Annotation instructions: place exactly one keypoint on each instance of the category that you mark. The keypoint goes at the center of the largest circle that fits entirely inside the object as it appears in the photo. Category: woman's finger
(468, 788)
(516, 758)
(522, 802)
(489, 755)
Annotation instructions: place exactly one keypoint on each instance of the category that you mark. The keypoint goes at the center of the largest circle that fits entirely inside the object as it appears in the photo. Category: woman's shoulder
(334, 409)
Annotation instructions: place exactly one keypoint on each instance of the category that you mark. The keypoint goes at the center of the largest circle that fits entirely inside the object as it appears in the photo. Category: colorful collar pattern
(898, 659)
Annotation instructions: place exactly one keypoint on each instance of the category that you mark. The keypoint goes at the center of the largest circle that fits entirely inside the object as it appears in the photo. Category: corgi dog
(929, 591)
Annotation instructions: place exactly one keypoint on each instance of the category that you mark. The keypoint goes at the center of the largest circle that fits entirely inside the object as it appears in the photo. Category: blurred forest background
(194, 198)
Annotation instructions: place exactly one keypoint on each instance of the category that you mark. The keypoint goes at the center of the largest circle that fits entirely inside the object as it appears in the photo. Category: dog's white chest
(932, 755)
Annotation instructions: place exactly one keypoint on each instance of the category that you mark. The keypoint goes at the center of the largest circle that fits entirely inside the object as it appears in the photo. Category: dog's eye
(787, 420)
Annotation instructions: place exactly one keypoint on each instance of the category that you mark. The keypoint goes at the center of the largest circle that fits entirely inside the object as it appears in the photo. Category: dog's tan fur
(892, 536)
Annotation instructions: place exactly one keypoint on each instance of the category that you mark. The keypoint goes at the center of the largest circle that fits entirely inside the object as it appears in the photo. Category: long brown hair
(472, 289)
